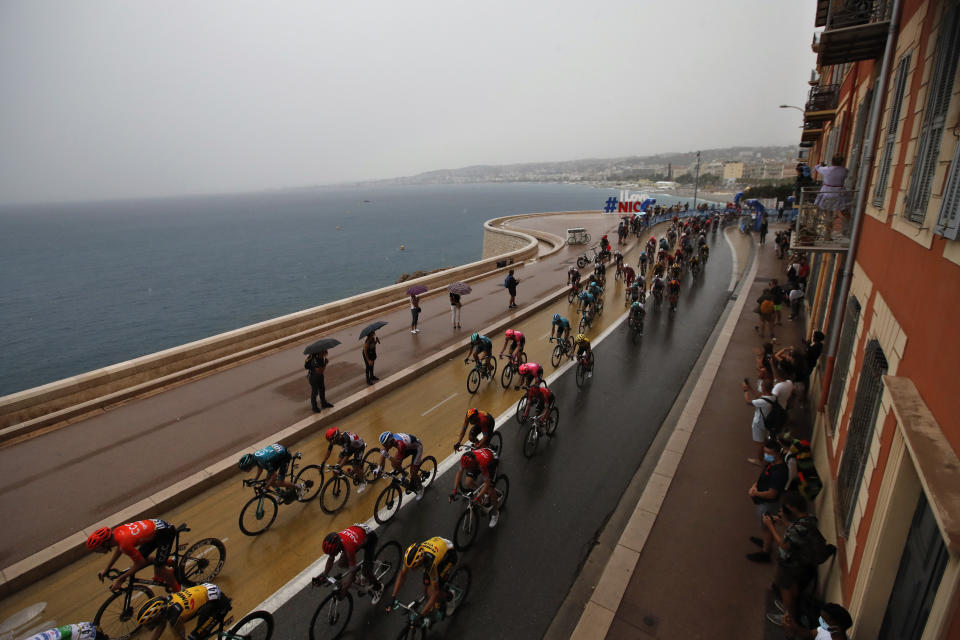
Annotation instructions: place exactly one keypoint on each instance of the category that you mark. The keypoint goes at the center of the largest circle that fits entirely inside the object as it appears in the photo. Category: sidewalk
(679, 569)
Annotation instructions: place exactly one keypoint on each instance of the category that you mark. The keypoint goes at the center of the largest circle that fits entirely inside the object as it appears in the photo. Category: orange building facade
(886, 97)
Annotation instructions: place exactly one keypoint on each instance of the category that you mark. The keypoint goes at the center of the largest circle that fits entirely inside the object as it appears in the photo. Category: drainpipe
(866, 171)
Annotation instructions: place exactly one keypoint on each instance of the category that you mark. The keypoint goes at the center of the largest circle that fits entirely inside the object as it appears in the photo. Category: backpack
(766, 307)
(808, 479)
(776, 420)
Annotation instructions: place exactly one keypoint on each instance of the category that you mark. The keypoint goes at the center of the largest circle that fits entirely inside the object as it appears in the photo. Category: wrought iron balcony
(822, 103)
(811, 131)
(855, 30)
(823, 223)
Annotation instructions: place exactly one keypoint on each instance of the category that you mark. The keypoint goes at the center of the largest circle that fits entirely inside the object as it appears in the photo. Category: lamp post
(790, 106)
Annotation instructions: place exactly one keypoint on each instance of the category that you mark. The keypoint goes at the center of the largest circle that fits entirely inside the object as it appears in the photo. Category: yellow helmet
(416, 555)
(151, 610)
(580, 338)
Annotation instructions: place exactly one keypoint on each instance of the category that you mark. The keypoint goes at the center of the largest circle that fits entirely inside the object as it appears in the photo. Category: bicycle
(575, 289)
(257, 625)
(333, 613)
(521, 414)
(480, 372)
(559, 351)
(657, 299)
(510, 368)
(539, 427)
(636, 328)
(694, 270)
(391, 498)
(584, 260)
(586, 322)
(199, 562)
(672, 298)
(584, 369)
(336, 490)
(494, 443)
(458, 586)
(468, 524)
(260, 511)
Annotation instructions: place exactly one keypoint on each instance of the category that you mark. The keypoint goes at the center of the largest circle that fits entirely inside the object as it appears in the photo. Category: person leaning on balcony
(833, 198)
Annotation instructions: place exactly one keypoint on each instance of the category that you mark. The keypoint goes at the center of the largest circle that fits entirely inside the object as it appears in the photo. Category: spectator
(796, 300)
(455, 309)
(511, 284)
(778, 296)
(833, 624)
(763, 229)
(814, 349)
(762, 406)
(414, 312)
(765, 365)
(783, 372)
(766, 309)
(832, 198)
(369, 353)
(804, 272)
(315, 365)
(765, 493)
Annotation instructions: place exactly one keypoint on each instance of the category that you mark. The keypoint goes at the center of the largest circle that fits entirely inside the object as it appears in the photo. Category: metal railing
(823, 97)
(824, 218)
(852, 13)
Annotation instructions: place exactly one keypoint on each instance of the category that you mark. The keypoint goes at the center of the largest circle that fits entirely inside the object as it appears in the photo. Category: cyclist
(351, 452)
(694, 263)
(341, 549)
(542, 398)
(596, 291)
(605, 244)
(481, 424)
(636, 314)
(531, 374)
(629, 274)
(675, 270)
(588, 304)
(137, 540)
(673, 291)
(618, 261)
(273, 459)
(480, 346)
(642, 263)
(515, 340)
(704, 252)
(583, 348)
(205, 602)
(573, 275)
(407, 446)
(665, 244)
(562, 326)
(79, 631)
(634, 291)
(656, 287)
(479, 462)
(600, 271)
(659, 269)
(438, 558)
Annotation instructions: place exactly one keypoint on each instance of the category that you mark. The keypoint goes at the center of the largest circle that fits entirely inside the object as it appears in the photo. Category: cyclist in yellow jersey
(205, 602)
(438, 558)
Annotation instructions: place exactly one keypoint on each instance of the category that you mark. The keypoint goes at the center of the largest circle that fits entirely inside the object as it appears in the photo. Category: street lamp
(790, 106)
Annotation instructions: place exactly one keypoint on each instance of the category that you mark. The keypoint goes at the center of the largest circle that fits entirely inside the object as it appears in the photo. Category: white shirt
(832, 176)
(795, 295)
(783, 390)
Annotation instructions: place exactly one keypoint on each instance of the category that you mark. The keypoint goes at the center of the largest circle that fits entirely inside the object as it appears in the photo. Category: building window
(811, 291)
(899, 88)
(934, 116)
(949, 219)
(860, 434)
(848, 335)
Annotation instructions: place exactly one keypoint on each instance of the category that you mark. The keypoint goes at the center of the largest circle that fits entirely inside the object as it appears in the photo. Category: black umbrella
(324, 344)
(370, 328)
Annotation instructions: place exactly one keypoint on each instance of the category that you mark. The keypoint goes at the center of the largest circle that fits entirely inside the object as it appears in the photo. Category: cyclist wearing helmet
(596, 291)
(473, 465)
(480, 346)
(515, 340)
(274, 460)
(588, 303)
(407, 446)
(205, 602)
(561, 325)
(80, 631)
(673, 291)
(618, 258)
(582, 344)
(351, 453)
(438, 558)
(637, 313)
(573, 275)
(629, 274)
(341, 549)
(531, 374)
(542, 398)
(600, 270)
(481, 424)
(137, 540)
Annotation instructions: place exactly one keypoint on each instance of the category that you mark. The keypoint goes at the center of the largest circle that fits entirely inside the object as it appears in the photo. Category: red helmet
(468, 460)
(508, 333)
(98, 538)
(332, 433)
(472, 413)
(331, 544)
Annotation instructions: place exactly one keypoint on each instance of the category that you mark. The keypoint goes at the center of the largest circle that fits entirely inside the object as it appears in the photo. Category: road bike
(584, 371)
(257, 625)
(484, 369)
(494, 443)
(521, 415)
(192, 564)
(336, 489)
(672, 299)
(636, 328)
(510, 368)
(561, 350)
(468, 524)
(333, 613)
(539, 427)
(391, 498)
(575, 289)
(657, 299)
(416, 626)
(694, 269)
(586, 322)
(261, 510)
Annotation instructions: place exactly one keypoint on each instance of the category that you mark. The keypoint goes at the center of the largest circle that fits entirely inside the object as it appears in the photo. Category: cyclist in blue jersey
(589, 304)
(274, 460)
(481, 348)
(596, 291)
(80, 631)
(562, 326)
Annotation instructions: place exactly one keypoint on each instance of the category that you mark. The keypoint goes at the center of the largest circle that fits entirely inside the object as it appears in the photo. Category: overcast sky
(116, 99)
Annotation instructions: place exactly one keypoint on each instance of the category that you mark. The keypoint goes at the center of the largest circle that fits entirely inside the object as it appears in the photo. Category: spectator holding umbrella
(369, 351)
(456, 290)
(414, 293)
(316, 364)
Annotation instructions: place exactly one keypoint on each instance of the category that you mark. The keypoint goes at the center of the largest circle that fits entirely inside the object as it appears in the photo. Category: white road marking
(445, 400)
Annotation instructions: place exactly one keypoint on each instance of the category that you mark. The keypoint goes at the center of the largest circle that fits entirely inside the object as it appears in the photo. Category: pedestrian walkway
(679, 569)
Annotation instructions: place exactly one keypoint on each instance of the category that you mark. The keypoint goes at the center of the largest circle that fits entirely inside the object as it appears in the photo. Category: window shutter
(899, 88)
(949, 220)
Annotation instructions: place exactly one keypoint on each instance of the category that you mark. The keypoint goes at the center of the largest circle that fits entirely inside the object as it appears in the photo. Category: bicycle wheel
(635, 332)
(581, 375)
(459, 586)
(334, 494)
(502, 487)
(553, 420)
(387, 562)
(473, 381)
(496, 443)
(466, 531)
(582, 326)
(493, 368)
(118, 615)
(256, 520)
(506, 377)
(530, 440)
(388, 503)
(253, 626)
(523, 357)
(428, 471)
(521, 408)
(556, 356)
(582, 262)
(571, 295)
(331, 617)
(369, 465)
(312, 478)
(202, 562)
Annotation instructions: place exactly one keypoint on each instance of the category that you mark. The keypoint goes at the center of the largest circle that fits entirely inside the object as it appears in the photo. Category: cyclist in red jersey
(482, 426)
(341, 549)
(476, 463)
(137, 540)
(531, 373)
(515, 340)
(545, 399)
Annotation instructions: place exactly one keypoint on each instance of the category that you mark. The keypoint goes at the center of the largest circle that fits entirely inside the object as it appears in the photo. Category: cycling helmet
(385, 437)
(556, 317)
(508, 333)
(475, 338)
(472, 413)
(583, 295)
(246, 462)
(332, 433)
(151, 610)
(416, 555)
(99, 537)
(332, 544)
(522, 369)
(580, 338)
(468, 460)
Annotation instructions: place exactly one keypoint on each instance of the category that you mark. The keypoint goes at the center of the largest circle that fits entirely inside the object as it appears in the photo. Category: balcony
(812, 130)
(823, 223)
(855, 30)
(822, 104)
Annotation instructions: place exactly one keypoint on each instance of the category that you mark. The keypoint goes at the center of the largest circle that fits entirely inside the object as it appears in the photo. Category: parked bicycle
(584, 260)
(561, 350)
(539, 427)
(415, 628)
(336, 489)
(192, 563)
(391, 498)
(510, 368)
(261, 510)
(468, 524)
(333, 613)
(484, 369)
(584, 369)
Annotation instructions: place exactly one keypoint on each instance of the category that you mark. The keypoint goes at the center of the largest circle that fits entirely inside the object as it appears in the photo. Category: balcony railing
(823, 98)
(855, 30)
(823, 223)
(854, 13)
